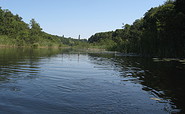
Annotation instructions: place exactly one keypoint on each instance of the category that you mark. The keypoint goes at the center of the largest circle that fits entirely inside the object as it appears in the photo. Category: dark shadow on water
(163, 79)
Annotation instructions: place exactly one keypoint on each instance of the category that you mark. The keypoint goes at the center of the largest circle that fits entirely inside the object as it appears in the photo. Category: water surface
(60, 81)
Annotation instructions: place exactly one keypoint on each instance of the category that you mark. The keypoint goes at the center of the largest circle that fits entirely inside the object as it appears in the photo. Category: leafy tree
(35, 31)
(161, 32)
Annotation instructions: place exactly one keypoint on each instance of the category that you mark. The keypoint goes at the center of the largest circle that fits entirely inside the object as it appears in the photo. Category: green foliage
(179, 6)
(161, 32)
(15, 32)
(5, 40)
(98, 36)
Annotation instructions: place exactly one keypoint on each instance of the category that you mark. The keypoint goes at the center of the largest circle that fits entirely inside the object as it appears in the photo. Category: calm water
(59, 81)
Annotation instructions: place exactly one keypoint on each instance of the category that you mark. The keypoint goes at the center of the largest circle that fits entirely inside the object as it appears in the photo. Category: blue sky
(80, 17)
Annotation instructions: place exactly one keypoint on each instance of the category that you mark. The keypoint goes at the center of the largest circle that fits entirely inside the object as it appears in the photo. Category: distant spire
(79, 37)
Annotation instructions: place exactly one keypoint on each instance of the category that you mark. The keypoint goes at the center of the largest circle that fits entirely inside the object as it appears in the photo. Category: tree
(35, 31)
(35, 27)
(179, 5)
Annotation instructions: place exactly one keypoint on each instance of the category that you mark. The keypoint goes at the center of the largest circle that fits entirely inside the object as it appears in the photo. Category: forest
(15, 32)
(159, 33)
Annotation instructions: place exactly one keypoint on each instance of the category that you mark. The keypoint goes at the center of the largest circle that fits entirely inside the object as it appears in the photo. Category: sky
(72, 18)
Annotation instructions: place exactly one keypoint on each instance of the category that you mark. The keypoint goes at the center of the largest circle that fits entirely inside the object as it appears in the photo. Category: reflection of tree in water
(162, 79)
(18, 62)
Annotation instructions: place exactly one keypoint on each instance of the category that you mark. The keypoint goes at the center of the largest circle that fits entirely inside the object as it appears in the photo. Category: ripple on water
(81, 83)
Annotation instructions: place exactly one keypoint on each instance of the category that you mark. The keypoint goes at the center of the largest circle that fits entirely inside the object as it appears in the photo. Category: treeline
(15, 32)
(161, 32)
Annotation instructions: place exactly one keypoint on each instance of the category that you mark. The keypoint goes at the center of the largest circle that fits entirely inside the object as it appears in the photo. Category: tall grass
(6, 41)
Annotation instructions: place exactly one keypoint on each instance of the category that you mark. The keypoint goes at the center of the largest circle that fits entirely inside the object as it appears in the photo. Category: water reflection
(162, 79)
(22, 62)
(58, 80)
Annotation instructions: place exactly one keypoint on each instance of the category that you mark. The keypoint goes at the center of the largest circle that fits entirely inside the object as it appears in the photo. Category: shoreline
(14, 46)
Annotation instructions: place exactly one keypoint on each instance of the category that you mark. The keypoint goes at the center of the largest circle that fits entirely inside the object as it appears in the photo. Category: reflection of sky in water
(84, 83)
